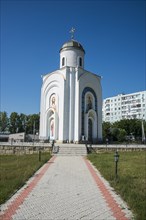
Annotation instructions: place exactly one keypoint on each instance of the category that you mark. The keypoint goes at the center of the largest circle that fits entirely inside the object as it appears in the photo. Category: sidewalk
(66, 188)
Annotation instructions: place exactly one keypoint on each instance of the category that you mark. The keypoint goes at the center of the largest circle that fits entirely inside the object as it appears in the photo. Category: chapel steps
(71, 150)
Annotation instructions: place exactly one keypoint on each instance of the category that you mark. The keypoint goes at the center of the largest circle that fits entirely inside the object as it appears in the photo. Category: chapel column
(72, 104)
(76, 118)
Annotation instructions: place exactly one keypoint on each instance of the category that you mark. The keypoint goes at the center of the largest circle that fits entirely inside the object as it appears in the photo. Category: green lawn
(15, 170)
(131, 182)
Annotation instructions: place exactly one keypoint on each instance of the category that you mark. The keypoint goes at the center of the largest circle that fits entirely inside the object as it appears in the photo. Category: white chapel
(71, 100)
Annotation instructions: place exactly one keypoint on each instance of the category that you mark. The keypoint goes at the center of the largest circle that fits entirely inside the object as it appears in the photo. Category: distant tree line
(17, 123)
(120, 131)
(126, 130)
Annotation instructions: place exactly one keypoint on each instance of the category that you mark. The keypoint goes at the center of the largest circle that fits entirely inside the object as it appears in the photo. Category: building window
(107, 101)
(63, 61)
(80, 61)
(138, 105)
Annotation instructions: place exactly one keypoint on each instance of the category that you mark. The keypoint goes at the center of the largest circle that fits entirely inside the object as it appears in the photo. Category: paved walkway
(66, 188)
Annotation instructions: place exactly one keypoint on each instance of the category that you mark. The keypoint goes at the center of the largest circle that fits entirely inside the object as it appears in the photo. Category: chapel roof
(72, 44)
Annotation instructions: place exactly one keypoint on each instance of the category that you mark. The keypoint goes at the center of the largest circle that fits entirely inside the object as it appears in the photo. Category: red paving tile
(117, 211)
(11, 210)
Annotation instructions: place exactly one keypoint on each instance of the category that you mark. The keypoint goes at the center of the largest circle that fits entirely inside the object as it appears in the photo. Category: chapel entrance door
(90, 130)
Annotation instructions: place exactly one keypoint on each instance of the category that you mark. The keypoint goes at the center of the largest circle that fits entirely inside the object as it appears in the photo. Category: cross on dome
(72, 33)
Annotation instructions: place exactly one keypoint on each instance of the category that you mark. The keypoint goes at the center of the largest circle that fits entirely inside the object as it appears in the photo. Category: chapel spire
(72, 31)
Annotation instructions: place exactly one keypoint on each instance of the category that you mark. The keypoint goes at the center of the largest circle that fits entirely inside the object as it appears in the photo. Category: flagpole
(33, 131)
(143, 133)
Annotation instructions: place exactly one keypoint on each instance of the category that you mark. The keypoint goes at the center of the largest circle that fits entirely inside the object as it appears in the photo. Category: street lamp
(39, 154)
(116, 156)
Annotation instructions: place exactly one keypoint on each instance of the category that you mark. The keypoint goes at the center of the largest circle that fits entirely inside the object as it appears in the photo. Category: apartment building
(124, 106)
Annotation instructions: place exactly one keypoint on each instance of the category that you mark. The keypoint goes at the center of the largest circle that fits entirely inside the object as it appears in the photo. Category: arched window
(80, 61)
(63, 61)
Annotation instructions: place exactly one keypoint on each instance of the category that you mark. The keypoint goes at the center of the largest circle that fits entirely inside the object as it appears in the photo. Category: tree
(132, 127)
(120, 129)
(121, 135)
(33, 123)
(106, 130)
(125, 124)
(22, 122)
(14, 122)
(4, 121)
(115, 133)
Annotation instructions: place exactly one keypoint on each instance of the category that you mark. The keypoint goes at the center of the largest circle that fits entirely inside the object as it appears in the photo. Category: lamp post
(39, 154)
(116, 156)
(106, 142)
(33, 132)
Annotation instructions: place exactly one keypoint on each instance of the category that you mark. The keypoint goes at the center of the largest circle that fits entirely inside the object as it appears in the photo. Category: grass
(131, 182)
(15, 170)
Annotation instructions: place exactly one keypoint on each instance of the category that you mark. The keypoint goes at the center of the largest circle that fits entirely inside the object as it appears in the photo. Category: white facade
(127, 106)
(71, 100)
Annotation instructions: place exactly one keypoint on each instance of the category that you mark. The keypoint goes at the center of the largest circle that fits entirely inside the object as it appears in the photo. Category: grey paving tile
(66, 191)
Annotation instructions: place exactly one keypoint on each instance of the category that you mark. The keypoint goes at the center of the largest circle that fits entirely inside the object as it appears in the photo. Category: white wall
(52, 83)
(91, 80)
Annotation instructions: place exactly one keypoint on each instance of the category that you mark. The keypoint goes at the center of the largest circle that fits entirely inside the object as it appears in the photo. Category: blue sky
(32, 33)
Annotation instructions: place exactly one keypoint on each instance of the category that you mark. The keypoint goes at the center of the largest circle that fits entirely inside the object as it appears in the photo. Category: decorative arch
(91, 125)
(51, 117)
(52, 124)
(89, 102)
(53, 84)
(88, 89)
(85, 108)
